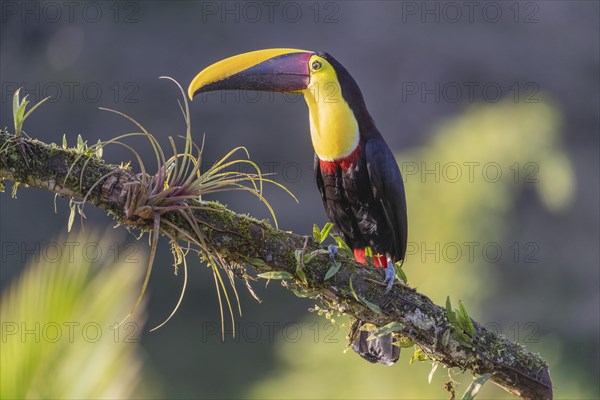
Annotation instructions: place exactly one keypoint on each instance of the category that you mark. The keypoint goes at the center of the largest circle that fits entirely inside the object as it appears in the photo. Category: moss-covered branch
(240, 239)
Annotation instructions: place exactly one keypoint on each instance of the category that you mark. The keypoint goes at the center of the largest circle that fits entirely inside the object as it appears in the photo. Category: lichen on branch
(241, 240)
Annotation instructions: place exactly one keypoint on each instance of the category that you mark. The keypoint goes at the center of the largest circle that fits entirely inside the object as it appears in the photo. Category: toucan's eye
(316, 65)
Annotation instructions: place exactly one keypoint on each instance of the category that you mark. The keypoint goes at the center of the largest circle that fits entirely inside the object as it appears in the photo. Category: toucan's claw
(333, 250)
(390, 276)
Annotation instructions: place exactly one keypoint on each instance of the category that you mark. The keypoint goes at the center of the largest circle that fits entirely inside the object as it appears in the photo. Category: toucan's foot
(333, 250)
(390, 276)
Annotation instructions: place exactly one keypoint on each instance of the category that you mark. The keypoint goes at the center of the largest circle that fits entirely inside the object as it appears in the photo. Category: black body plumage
(364, 198)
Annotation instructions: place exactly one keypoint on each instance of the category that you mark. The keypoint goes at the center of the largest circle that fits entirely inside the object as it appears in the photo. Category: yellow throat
(333, 127)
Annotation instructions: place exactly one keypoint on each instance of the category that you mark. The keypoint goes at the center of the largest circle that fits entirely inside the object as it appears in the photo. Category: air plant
(178, 187)
(19, 108)
(20, 114)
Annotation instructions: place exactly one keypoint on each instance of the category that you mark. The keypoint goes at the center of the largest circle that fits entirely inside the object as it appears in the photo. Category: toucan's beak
(280, 70)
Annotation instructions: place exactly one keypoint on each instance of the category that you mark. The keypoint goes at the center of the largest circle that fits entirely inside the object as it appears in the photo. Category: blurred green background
(494, 120)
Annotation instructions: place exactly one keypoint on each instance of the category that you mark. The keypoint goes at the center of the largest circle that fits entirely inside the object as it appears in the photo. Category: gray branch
(241, 239)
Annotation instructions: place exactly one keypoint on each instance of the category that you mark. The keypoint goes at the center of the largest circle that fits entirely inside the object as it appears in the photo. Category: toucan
(356, 173)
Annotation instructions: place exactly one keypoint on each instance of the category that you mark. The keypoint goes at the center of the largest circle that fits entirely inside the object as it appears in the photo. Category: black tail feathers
(380, 350)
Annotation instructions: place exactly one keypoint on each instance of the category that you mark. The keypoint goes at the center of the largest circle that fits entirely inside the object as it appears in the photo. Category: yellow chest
(333, 127)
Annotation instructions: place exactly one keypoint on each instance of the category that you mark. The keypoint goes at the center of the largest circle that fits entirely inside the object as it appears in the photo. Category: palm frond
(69, 307)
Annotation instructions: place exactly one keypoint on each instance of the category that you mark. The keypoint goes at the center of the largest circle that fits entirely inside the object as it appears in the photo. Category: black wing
(388, 190)
(337, 208)
(319, 180)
